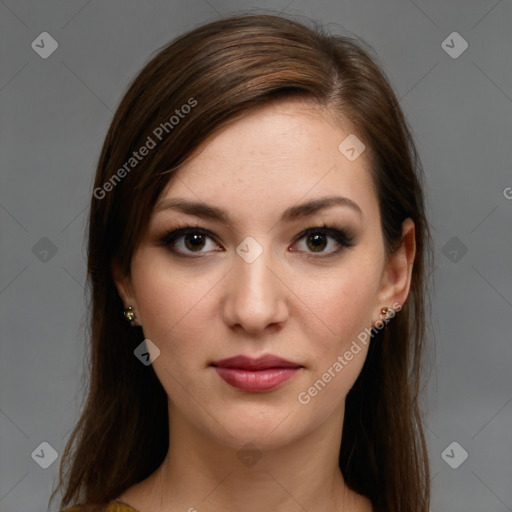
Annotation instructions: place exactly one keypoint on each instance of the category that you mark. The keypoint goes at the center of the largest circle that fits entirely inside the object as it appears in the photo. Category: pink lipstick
(265, 373)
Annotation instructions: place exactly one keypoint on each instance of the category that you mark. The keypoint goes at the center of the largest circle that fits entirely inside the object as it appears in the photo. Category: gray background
(54, 115)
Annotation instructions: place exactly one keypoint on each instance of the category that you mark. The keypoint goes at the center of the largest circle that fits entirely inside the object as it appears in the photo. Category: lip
(265, 373)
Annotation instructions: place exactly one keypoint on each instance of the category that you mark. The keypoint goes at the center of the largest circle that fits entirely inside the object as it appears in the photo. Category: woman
(257, 254)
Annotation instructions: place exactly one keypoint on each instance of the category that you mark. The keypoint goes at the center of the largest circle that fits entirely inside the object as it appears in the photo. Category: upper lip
(261, 363)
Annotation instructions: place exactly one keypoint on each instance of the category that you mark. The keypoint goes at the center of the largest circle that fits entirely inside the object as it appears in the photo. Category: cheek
(162, 291)
(174, 306)
(174, 316)
(339, 306)
(339, 309)
(337, 349)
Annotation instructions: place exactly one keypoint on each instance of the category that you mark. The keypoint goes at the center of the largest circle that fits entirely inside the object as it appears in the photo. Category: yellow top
(112, 506)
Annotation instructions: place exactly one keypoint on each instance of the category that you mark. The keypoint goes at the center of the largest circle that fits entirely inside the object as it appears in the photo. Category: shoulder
(112, 506)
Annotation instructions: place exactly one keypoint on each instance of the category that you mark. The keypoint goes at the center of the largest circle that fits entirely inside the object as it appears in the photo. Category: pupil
(197, 241)
(318, 242)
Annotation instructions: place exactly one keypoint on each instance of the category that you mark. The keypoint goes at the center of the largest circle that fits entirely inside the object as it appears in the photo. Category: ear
(123, 285)
(396, 276)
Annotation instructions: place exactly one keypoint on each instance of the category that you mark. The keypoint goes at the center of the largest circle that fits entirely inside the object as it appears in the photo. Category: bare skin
(303, 302)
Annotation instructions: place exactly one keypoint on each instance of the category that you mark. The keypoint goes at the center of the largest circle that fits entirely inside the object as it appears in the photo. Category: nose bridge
(255, 296)
(253, 276)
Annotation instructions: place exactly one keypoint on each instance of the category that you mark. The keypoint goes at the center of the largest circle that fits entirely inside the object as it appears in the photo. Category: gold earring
(386, 313)
(129, 315)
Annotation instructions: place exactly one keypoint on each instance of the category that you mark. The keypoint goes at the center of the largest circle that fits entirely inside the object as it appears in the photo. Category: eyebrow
(204, 210)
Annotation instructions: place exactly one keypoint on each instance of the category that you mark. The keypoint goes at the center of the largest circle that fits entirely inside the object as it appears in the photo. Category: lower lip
(256, 381)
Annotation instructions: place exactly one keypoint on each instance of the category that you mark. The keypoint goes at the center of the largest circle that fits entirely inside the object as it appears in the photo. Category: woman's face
(249, 279)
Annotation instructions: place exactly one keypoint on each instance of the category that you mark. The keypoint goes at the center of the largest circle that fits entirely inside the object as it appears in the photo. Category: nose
(255, 298)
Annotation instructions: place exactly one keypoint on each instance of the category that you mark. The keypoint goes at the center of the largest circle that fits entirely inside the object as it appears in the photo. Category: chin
(265, 428)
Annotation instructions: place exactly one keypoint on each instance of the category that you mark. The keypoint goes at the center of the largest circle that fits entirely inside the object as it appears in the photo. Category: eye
(317, 239)
(185, 240)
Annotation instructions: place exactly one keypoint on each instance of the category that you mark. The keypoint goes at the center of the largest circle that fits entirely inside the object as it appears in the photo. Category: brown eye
(324, 241)
(184, 241)
(317, 242)
(194, 241)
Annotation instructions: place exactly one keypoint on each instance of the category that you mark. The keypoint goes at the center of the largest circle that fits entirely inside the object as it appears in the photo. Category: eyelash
(343, 238)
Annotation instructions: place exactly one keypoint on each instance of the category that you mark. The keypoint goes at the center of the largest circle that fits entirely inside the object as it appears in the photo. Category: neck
(201, 473)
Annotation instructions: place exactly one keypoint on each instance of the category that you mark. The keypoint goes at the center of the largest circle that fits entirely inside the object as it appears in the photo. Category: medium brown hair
(229, 67)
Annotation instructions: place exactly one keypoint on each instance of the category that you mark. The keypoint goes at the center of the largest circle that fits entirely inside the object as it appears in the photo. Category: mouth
(259, 375)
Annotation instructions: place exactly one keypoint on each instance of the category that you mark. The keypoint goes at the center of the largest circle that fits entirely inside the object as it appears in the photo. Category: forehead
(273, 157)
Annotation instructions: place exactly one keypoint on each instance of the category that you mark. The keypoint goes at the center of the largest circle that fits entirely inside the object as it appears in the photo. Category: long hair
(189, 90)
